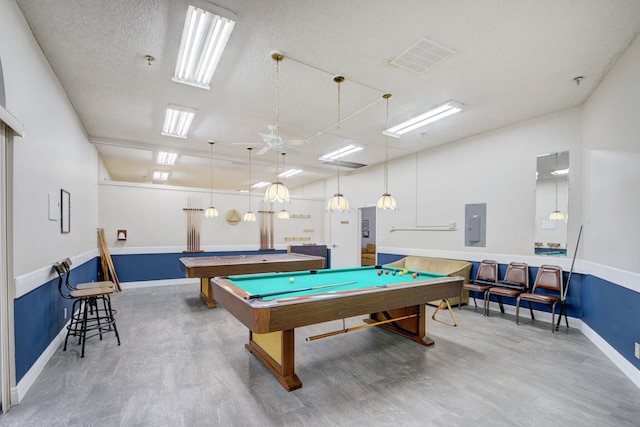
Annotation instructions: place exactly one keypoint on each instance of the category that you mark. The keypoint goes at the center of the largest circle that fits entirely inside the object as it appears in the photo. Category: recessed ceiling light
(204, 38)
(167, 159)
(430, 116)
(177, 121)
(344, 151)
(290, 173)
(160, 175)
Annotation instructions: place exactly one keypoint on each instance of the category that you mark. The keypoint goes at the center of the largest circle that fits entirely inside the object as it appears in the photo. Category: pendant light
(556, 215)
(283, 214)
(386, 201)
(249, 216)
(277, 191)
(211, 211)
(338, 203)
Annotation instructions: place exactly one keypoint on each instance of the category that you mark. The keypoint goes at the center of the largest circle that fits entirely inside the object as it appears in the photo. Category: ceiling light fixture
(283, 214)
(177, 121)
(386, 201)
(260, 184)
(556, 215)
(204, 38)
(277, 191)
(290, 173)
(160, 175)
(430, 116)
(166, 159)
(344, 151)
(211, 211)
(249, 216)
(338, 203)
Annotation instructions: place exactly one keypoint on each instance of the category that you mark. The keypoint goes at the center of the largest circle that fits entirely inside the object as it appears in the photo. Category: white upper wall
(54, 153)
(611, 132)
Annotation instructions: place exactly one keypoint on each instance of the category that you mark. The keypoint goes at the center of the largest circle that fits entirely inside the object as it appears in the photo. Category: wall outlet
(65, 316)
(637, 350)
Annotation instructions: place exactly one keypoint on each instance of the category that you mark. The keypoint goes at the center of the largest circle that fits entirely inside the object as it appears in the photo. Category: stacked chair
(91, 313)
(486, 277)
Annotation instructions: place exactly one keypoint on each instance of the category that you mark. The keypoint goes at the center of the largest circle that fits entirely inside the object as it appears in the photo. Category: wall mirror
(552, 204)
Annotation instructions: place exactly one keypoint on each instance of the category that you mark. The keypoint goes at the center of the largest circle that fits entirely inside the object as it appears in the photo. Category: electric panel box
(475, 224)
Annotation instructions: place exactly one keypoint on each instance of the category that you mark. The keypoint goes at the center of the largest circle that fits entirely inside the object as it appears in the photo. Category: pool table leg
(205, 292)
(276, 350)
(414, 328)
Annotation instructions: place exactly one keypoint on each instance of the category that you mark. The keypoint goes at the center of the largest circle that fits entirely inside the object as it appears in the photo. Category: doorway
(368, 236)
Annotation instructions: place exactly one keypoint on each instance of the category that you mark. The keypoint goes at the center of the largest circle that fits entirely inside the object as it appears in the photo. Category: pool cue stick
(290, 291)
(566, 288)
(356, 328)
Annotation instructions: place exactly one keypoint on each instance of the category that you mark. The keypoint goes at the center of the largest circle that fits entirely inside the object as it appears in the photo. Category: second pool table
(273, 305)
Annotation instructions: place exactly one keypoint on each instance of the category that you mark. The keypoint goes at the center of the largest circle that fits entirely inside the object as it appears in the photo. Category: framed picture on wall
(365, 225)
(65, 211)
(365, 234)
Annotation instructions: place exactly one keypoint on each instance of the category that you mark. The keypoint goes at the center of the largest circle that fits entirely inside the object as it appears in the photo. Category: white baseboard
(20, 390)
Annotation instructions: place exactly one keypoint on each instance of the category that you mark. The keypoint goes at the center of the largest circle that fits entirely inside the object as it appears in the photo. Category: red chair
(549, 280)
(516, 281)
(485, 278)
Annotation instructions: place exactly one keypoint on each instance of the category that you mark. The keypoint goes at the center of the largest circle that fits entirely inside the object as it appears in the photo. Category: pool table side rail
(303, 311)
(253, 264)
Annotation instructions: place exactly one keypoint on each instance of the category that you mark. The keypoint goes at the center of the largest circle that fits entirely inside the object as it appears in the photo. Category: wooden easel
(108, 270)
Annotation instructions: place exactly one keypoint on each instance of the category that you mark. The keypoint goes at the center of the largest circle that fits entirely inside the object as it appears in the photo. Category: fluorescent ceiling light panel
(167, 159)
(177, 121)
(290, 173)
(344, 151)
(260, 184)
(204, 38)
(560, 172)
(430, 116)
(160, 175)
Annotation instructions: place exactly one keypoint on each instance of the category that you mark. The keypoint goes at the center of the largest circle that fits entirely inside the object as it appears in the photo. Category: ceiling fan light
(249, 217)
(211, 212)
(338, 203)
(276, 192)
(387, 202)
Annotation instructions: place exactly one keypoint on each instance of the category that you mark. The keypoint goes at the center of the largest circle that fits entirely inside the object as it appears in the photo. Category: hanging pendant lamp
(211, 211)
(386, 201)
(338, 203)
(277, 191)
(249, 216)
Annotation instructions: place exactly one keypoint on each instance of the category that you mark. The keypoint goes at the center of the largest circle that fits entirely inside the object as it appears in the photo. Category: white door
(344, 239)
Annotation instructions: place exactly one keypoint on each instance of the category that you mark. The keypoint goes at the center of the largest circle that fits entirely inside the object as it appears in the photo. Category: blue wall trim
(39, 317)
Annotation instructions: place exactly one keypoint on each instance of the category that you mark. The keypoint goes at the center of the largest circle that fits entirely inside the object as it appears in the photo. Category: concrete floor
(181, 364)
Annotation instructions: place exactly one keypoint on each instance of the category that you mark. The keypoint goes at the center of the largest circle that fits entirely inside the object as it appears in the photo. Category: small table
(393, 301)
(207, 267)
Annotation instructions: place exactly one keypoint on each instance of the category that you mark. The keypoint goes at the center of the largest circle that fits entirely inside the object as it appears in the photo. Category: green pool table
(273, 305)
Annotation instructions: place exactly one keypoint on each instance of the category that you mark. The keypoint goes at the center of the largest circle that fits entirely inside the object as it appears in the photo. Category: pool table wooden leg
(276, 350)
(414, 328)
(205, 292)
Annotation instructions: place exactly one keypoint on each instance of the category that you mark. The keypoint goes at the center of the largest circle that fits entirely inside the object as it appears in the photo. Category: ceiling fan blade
(295, 142)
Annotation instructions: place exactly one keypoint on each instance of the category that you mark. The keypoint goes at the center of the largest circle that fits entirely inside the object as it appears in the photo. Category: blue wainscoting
(612, 312)
(39, 317)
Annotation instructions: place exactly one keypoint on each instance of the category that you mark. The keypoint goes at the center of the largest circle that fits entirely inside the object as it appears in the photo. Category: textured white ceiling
(514, 60)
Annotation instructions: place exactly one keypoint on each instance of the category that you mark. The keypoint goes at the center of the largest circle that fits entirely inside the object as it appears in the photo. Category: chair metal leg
(500, 302)
(518, 310)
(113, 320)
(83, 331)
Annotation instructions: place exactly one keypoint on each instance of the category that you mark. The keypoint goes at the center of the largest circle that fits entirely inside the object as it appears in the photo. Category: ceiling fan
(272, 141)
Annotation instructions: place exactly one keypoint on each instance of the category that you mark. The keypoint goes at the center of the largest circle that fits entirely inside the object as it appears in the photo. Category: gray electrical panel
(475, 224)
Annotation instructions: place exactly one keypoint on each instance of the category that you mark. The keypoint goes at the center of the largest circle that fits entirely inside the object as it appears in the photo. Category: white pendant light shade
(338, 203)
(211, 212)
(276, 192)
(387, 202)
(249, 217)
(283, 214)
(556, 216)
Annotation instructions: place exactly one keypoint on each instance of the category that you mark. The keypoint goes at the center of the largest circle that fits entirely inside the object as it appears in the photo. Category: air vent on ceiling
(345, 164)
(422, 55)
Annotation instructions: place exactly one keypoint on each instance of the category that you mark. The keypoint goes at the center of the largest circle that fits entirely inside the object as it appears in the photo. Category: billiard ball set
(415, 274)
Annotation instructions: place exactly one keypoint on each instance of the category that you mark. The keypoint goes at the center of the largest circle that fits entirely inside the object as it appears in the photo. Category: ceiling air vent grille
(421, 56)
